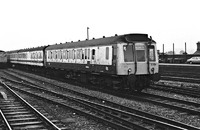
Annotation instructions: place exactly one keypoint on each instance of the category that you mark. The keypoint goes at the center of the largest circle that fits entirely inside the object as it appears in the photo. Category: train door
(93, 56)
(141, 58)
(153, 59)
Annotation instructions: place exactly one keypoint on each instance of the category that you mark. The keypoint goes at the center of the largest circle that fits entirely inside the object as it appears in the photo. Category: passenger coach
(27, 57)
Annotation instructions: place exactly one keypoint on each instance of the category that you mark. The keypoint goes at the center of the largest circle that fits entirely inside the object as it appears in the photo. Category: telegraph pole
(163, 52)
(88, 33)
(173, 53)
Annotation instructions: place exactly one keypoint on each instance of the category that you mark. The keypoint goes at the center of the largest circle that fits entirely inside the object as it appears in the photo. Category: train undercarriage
(100, 80)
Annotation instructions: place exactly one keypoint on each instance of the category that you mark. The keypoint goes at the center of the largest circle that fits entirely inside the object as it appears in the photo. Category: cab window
(128, 53)
(140, 53)
(152, 53)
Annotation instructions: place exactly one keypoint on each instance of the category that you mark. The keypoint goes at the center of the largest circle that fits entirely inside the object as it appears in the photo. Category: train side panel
(96, 59)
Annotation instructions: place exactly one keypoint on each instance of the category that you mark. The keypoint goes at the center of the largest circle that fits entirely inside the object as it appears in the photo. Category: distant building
(198, 48)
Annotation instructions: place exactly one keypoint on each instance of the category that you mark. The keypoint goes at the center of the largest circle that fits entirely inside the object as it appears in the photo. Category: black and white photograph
(99, 65)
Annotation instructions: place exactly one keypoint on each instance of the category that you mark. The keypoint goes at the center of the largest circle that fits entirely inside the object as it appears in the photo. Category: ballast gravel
(144, 106)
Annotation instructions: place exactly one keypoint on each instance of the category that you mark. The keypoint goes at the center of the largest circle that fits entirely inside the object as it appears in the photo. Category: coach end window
(107, 53)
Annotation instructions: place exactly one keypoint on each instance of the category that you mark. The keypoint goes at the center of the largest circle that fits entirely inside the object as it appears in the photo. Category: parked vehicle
(193, 60)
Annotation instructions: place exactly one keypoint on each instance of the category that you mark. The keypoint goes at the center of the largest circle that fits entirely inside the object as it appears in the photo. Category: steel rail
(5, 120)
(124, 113)
(179, 90)
(46, 120)
(135, 110)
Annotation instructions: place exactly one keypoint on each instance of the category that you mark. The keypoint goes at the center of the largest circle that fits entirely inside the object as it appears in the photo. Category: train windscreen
(128, 53)
(140, 52)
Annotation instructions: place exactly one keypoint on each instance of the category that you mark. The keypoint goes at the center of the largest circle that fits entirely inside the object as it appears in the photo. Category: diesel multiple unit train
(126, 61)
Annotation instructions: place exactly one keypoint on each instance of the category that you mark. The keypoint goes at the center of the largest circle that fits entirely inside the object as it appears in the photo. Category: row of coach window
(75, 54)
(71, 54)
(33, 55)
(62, 54)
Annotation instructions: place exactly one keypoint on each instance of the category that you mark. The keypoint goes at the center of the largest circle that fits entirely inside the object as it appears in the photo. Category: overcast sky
(32, 23)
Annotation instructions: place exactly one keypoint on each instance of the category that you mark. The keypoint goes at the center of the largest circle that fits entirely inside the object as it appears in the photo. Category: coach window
(88, 53)
(107, 53)
(54, 56)
(83, 54)
(67, 54)
(93, 54)
(63, 54)
(40, 55)
(49, 54)
(58, 54)
(73, 54)
(35, 55)
(70, 54)
(77, 54)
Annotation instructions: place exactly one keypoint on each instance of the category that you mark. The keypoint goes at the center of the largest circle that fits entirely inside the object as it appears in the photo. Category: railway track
(188, 91)
(140, 113)
(180, 79)
(16, 113)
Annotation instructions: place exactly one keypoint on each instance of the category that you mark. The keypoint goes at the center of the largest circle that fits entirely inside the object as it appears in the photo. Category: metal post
(185, 48)
(88, 33)
(163, 52)
(173, 53)
(185, 53)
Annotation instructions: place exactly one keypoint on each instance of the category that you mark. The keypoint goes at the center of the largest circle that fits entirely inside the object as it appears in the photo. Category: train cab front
(137, 61)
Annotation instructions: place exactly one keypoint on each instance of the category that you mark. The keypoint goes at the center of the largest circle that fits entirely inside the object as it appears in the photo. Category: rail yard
(99, 65)
(168, 104)
(111, 83)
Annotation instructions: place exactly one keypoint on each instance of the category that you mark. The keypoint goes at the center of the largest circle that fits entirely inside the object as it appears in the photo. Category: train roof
(33, 49)
(29, 49)
(14, 51)
(102, 41)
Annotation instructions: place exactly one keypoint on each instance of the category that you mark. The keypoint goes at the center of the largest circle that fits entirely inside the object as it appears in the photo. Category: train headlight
(129, 70)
